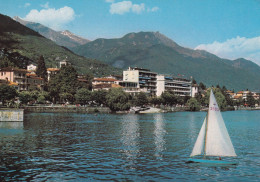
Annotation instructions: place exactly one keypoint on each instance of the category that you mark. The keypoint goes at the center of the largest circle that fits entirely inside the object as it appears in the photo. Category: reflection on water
(127, 147)
(11, 128)
(130, 137)
(159, 133)
(11, 125)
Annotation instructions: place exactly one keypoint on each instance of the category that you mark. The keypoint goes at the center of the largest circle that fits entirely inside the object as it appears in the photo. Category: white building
(31, 67)
(180, 86)
(194, 90)
(145, 79)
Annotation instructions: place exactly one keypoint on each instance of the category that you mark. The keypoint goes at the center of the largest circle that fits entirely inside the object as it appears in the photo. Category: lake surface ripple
(127, 147)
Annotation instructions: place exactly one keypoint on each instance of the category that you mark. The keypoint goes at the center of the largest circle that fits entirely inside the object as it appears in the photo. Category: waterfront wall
(66, 109)
(11, 114)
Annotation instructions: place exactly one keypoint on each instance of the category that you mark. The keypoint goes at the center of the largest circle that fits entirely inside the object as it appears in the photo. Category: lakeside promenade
(94, 109)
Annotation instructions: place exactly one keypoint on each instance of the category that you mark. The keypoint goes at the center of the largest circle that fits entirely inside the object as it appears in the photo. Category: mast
(206, 129)
(205, 139)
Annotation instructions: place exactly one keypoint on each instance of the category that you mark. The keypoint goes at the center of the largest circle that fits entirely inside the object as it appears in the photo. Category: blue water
(127, 147)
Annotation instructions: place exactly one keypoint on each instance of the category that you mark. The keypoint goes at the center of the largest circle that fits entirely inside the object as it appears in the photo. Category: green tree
(5, 62)
(155, 100)
(7, 93)
(250, 100)
(41, 70)
(88, 84)
(25, 97)
(65, 81)
(202, 86)
(117, 99)
(42, 97)
(66, 97)
(140, 99)
(83, 96)
(169, 98)
(99, 96)
(193, 104)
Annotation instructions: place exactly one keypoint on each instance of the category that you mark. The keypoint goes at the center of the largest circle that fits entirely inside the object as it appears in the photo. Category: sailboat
(213, 138)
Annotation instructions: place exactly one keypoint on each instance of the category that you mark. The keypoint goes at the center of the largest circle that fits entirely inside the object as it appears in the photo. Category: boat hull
(211, 162)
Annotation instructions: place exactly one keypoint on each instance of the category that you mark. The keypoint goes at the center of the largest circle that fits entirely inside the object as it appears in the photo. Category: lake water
(127, 147)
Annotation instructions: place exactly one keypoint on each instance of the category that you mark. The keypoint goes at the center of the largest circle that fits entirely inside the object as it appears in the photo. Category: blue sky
(227, 28)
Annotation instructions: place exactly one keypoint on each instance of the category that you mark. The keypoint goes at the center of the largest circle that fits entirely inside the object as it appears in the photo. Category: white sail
(199, 145)
(217, 141)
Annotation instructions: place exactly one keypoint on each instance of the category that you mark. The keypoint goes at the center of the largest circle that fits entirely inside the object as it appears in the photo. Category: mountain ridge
(62, 38)
(17, 38)
(155, 51)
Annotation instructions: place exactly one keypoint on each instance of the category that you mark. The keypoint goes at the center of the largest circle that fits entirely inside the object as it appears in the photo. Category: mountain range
(19, 39)
(154, 51)
(62, 38)
(151, 50)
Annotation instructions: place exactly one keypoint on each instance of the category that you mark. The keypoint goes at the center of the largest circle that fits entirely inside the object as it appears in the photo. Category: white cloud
(27, 5)
(138, 8)
(239, 47)
(46, 5)
(154, 9)
(53, 18)
(123, 7)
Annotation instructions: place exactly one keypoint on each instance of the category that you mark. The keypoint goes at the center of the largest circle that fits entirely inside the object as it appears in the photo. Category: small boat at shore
(213, 139)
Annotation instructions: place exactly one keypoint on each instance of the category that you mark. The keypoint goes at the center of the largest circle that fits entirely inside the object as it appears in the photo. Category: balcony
(19, 77)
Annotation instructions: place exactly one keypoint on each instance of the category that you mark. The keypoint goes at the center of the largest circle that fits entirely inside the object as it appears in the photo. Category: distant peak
(20, 20)
(66, 31)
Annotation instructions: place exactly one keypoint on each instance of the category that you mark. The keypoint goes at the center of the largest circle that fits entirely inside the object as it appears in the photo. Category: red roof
(10, 69)
(105, 79)
(53, 69)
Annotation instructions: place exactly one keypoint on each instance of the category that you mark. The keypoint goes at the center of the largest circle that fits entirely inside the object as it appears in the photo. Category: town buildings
(180, 86)
(136, 80)
(145, 79)
(22, 78)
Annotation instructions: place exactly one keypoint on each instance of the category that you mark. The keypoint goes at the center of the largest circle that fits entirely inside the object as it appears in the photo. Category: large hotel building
(154, 84)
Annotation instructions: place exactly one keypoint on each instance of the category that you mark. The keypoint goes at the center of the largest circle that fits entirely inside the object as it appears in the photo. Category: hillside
(17, 38)
(62, 38)
(155, 51)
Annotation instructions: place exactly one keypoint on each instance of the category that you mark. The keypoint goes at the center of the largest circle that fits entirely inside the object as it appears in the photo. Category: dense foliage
(7, 93)
(30, 45)
(193, 104)
(118, 100)
(64, 84)
(41, 70)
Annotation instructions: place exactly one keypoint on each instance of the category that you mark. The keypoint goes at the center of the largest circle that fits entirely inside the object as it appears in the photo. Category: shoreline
(91, 109)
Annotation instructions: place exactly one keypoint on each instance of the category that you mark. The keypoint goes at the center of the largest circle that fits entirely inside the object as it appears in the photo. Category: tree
(89, 77)
(7, 93)
(250, 100)
(65, 81)
(41, 70)
(83, 96)
(5, 62)
(155, 100)
(118, 100)
(141, 99)
(193, 104)
(66, 97)
(99, 96)
(202, 86)
(25, 97)
(169, 98)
